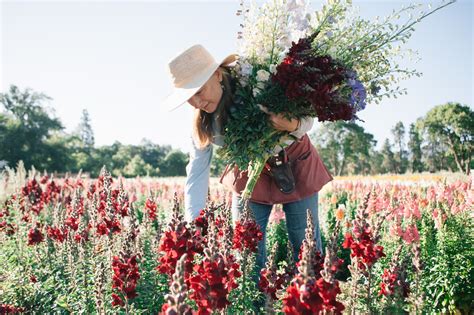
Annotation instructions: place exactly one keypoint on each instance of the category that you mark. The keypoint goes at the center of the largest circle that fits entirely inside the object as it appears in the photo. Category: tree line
(29, 132)
(441, 140)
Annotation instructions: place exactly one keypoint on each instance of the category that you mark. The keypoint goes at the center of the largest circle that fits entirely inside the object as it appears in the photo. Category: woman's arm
(197, 181)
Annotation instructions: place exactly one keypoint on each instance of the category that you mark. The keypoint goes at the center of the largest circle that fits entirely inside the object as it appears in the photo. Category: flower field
(110, 245)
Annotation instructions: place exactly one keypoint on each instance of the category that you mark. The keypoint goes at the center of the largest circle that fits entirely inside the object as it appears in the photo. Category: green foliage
(152, 286)
(452, 124)
(449, 266)
(249, 141)
(389, 164)
(174, 164)
(344, 147)
(414, 146)
(401, 161)
(29, 132)
(244, 296)
(27, 126)
(277, 234)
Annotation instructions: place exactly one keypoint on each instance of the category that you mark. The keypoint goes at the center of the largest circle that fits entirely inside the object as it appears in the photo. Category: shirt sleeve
(197, 181)
(306, 123)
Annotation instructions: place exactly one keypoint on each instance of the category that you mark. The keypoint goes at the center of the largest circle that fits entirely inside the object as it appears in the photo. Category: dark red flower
(212, 283)
(35, 236)
(270, 281)
(363, 247)
(56, 234)
(312, 297)
(125, 276)
(151, 207)
(117, 300)
(72, 222)
(177, 240)
(247, 234)
(10, 309)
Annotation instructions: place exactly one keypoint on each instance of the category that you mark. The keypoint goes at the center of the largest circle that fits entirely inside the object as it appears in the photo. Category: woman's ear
(219, 75)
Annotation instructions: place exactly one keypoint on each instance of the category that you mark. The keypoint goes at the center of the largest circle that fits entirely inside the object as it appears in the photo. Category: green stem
(254, 171)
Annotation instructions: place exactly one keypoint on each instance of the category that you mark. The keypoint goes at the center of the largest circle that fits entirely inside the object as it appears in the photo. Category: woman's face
(209, 96)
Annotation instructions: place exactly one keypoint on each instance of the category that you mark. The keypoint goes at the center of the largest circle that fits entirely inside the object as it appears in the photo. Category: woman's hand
(280, 122)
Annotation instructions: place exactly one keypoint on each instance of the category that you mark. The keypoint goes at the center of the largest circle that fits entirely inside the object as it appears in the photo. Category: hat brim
(181, 95)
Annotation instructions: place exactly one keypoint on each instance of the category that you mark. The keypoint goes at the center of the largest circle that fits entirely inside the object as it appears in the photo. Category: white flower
(260, 85)
(246, 69)
(255, 92)
(263, 75)
(273, 69)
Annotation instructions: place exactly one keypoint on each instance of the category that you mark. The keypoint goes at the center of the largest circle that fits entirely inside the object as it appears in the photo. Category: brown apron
(308, 170)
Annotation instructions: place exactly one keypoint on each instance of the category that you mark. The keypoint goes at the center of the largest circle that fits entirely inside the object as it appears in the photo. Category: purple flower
(359, 94)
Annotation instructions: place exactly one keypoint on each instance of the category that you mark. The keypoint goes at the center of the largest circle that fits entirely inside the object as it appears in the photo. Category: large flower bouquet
(327, 64)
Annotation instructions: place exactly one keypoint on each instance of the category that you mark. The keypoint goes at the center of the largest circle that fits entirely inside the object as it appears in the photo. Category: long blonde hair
(202, 124)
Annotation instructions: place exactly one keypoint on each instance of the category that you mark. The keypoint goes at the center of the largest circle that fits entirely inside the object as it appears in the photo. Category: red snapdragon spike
(247, 234)
(389, 279)
(202, 221)
(35, 236)
(125, 277)
(44, 179)
(151, 208)
(363, 247)
(270, 281)
(56, 234)
(81, 237)
(72, 222)
(32, 191)
(175, 242)
(102, 229)
(52, 192)
(312, 297)
(302, 298)
(117, 300)
(328, 292)
(10, 309)
(212, 284)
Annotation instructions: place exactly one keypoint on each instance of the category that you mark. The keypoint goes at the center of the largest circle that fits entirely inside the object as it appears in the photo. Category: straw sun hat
(189, 71)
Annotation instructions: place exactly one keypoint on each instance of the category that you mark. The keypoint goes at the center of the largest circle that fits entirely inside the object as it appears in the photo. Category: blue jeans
(295, 214)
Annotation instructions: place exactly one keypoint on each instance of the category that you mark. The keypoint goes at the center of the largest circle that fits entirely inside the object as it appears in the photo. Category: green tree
(345, 147)
(401, 161)
(84, 130)
(137, 167)
(27, 126)
(389, 164)
(175, 164)
(154, 155)
(453, 125)
(376, 162)
(414, 148)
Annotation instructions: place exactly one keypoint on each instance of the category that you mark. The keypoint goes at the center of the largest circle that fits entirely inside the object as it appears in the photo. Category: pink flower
(411, 234)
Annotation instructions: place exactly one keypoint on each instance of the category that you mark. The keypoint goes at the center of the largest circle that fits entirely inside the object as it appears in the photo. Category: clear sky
(109, 57)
